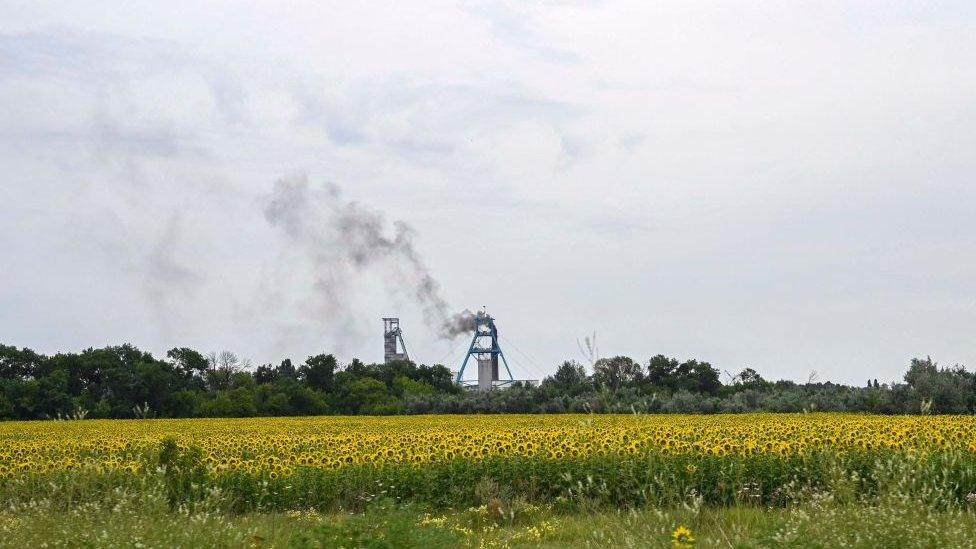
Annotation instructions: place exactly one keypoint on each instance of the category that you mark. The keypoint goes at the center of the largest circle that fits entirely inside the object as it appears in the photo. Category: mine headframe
(391, 337)
(486, 352)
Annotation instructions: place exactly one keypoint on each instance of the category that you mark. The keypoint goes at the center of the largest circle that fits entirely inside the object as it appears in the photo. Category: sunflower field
(339, 462)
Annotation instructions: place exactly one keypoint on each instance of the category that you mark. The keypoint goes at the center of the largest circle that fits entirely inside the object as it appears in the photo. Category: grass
(141, 511)
(146, 520)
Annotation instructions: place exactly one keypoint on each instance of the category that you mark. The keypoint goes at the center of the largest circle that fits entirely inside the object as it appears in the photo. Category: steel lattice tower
(486, 351)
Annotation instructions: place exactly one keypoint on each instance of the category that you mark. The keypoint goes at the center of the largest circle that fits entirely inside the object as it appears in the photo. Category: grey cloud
(631, 141)
(93, 71)
(113, 137)
(515, 25)
(86, 57)
(432, 117)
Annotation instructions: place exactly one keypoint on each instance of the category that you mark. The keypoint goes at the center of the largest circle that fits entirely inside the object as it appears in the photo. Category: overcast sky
(787, 186)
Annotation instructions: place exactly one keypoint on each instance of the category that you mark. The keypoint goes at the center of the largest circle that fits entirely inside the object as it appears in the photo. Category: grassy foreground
(146, 520)
(904, 508)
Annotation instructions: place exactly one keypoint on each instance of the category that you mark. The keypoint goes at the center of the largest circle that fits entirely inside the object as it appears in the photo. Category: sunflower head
(682, 537)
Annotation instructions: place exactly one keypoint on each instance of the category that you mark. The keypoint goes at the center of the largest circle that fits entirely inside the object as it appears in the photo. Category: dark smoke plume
(458, 323)
(342, 238)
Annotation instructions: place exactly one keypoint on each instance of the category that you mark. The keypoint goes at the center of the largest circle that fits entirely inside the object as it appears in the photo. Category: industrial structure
(486, 352)
(391, 337)
(484, 348)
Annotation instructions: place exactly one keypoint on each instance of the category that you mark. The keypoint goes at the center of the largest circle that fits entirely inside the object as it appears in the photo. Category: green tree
(265, 374)
(617, 372)
(188, 362)
(950, 390)
(318, 372)
(229, 403)
(570, 379)
(662, 372)
(700, 377)
(18, 363)
(362, 395)
(751, 378)
(404, 386)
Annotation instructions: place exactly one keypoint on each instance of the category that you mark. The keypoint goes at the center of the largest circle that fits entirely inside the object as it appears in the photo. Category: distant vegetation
(124, 382)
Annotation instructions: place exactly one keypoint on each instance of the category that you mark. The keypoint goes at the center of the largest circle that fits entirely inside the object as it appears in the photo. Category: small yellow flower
(682, 537)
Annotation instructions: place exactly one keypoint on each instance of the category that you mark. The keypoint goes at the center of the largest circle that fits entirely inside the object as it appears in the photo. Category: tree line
(125, 382)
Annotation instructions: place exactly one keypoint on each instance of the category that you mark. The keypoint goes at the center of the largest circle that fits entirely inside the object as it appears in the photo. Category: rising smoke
(166, 279)
(458, 323)
(342, 238)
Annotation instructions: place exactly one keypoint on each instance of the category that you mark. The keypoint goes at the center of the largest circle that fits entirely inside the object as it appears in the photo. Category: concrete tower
(392, 335)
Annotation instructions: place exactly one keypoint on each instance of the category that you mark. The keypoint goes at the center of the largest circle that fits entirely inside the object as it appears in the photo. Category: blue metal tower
(486, 351)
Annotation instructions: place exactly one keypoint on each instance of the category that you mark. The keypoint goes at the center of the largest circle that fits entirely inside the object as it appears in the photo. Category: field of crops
(336, 461)
(493, 480)
(278, 446)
